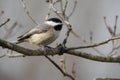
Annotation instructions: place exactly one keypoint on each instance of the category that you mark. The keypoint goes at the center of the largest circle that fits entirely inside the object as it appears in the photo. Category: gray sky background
(87, 17)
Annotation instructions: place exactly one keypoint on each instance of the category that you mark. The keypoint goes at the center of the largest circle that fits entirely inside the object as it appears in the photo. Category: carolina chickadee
(43, 34)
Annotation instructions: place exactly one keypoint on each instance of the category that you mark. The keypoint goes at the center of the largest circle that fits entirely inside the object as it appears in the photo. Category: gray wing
(39, 29)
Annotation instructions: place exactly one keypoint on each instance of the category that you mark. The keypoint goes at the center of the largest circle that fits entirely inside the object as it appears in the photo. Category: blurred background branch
(5, 22)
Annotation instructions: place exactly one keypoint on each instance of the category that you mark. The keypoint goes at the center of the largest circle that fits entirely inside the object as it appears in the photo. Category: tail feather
(16, 42)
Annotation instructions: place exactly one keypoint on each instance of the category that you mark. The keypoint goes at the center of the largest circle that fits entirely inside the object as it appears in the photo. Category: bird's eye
(58, 27)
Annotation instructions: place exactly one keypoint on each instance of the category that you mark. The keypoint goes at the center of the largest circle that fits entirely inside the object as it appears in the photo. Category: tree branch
(58, 67)
(95, 57)
(56, 51)
(28, 52)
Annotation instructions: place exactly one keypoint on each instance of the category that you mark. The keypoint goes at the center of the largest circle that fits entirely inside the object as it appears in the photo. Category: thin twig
(63, 63)
(108, 27)
(58, 67)
(64, 9)
(96, 44)
(61, 5)
(56, 12)
(68, 33)
(112, 32)
(10, 30)
(5, 22)
(73, 10)
(73, 69)
(27, 12)
(115, 25)
(11, 55)
(49, 9)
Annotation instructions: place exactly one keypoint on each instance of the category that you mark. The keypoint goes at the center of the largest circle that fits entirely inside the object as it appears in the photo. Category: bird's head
(56, 23)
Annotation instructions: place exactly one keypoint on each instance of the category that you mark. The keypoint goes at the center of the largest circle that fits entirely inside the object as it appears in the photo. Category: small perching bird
(43, 34)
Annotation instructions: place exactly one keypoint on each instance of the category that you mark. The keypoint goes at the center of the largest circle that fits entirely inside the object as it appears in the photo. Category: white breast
(44, 38)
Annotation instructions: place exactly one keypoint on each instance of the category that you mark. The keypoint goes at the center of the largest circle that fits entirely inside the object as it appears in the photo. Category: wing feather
(39, 29)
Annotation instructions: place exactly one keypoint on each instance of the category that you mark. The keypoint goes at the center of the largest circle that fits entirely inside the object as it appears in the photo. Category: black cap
(57, 20)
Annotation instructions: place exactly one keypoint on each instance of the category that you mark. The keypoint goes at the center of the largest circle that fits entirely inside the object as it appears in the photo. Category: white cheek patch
(51, 23)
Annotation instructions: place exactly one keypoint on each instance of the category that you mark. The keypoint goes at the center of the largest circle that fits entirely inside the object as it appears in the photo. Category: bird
(43, 34)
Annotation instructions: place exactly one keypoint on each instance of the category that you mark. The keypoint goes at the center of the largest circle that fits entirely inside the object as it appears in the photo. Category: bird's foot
(62, 49)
